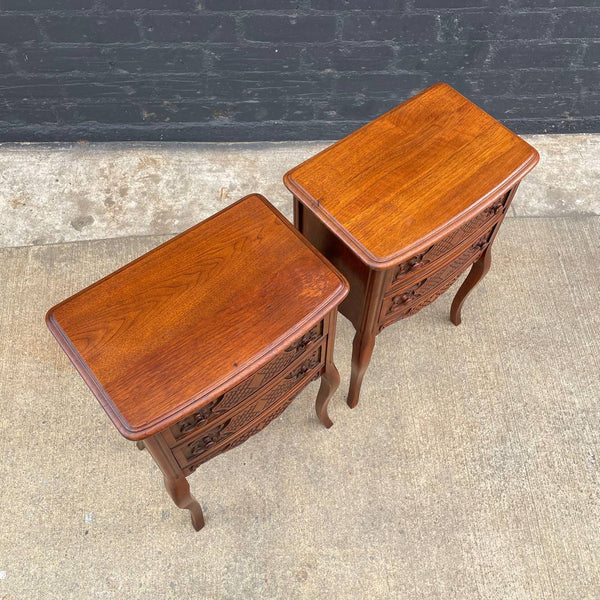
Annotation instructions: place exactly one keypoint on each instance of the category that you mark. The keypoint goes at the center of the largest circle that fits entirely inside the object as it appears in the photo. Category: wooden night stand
(405, 204)
(200, 343)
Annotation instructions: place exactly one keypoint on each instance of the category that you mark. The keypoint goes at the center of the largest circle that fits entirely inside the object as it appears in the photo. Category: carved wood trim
(248, 387)
(480, 223)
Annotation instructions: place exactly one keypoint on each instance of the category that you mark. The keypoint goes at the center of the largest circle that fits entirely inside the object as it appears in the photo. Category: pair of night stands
(200, 343)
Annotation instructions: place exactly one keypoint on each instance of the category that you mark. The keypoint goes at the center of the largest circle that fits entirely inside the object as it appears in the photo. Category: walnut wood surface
(404, 180)
(180, 325)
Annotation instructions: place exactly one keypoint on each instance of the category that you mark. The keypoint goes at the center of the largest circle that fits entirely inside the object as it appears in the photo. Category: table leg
(175, 482)
(480, 267)
(298, 214)
(362, 349)
(330, 381)
(476, 274)
(179, 490)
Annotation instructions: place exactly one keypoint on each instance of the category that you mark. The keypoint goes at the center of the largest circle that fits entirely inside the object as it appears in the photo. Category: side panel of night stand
(345, 260)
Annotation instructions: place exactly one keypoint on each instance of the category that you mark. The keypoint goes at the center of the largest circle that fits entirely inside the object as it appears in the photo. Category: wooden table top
(406, 179)
(175, 328)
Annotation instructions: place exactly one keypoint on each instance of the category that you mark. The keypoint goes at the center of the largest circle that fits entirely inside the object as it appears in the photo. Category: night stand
(200, 343)
(407, 203)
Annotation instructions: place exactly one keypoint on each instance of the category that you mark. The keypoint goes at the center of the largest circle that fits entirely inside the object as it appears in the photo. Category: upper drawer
(409, 299)
(246, 388)
(414, 266)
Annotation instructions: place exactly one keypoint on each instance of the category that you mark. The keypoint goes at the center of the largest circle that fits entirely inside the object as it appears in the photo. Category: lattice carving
(250, 385)
(426, 291)
(196, 447)
(450, 241)
(264, 375)
(258, 426)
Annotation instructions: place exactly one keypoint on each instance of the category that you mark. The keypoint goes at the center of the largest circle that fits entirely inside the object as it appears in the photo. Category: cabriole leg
(476, 274)
(329, 383)
(362, 349)
(175, 482)
(179, 490)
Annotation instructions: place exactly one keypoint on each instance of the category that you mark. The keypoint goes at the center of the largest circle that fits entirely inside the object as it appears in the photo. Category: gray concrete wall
(52, 193)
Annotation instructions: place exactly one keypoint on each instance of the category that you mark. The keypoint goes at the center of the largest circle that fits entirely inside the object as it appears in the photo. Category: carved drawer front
(409, 300)
(249, 386)
(408, 269)
(213, 436)
(242, 436)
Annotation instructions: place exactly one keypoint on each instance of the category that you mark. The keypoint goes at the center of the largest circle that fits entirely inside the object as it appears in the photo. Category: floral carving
(206, 441)
(413, 264)
(303, 368)
(407, 296)
(451, 240)
(305, 340)
(497, 207)
(197, 420)
(233, 397)
(245, 435)
(482, 242)
(253, 410)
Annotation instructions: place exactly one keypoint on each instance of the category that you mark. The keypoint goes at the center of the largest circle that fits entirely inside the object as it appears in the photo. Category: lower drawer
(252, 429)
(213, 436)
(408, 301)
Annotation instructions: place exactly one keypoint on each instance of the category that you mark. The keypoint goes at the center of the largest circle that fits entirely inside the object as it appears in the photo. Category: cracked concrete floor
(469, 470)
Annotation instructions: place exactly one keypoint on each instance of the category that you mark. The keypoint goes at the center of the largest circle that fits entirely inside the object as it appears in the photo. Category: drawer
(254, 428)
(212, 436)
(410, 269)
(246, 388)
(408, 300)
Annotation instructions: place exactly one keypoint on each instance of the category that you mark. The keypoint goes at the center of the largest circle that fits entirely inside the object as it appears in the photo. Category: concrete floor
(469, 470)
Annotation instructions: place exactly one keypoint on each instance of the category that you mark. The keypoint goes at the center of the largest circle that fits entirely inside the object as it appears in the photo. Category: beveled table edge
(194, 403)
(380, 263)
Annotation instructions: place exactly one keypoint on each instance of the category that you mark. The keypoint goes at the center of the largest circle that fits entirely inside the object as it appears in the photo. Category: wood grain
(173, 329)
(404, 180)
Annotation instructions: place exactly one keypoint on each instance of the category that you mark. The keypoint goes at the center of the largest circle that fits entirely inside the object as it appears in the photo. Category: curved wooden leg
(476, 274)
(179, 490)
(362, 349)
(297, 214)
(140, 445)
(330, 381)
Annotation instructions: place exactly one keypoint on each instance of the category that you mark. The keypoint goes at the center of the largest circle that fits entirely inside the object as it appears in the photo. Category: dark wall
(226, 70)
